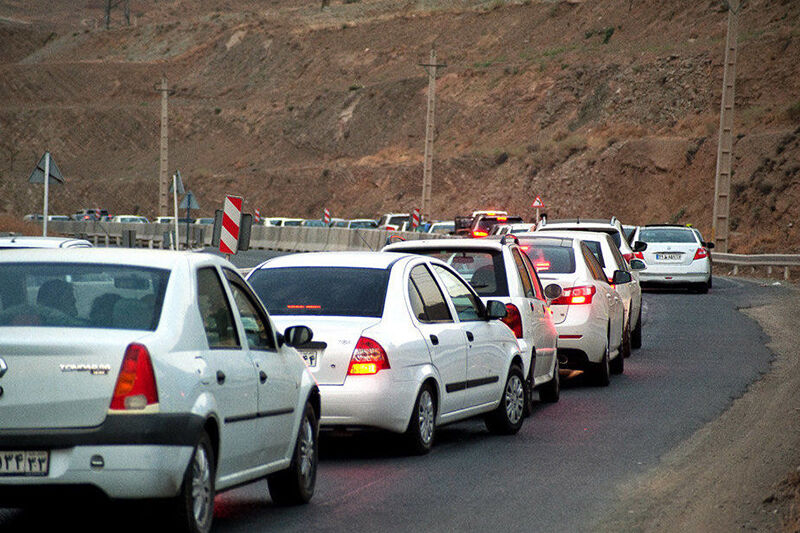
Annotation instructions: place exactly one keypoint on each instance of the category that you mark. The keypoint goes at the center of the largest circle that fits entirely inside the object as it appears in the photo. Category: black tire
(193, 509)
(551, 391)
(625, 347)
(616, 366)
(636, 334)
(710, 281)
(421, 430)
(601, 372)
(508, 416)
(295, 485)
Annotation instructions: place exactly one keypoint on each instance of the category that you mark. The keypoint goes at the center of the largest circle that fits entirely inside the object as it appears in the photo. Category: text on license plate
(669, 257)
(310, 357)
(24, 463)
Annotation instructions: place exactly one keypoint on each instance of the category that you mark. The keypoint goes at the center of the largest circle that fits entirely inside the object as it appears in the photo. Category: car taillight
(136, 383)
(477, 234)
(369, 357)
(628, 257)
(701, 253)
(576, 296)
(513, 320)
(541, 265)
(639, 255)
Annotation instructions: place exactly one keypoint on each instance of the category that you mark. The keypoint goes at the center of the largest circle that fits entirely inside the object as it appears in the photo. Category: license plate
(669, 257)
(310, 357)
(24, 463)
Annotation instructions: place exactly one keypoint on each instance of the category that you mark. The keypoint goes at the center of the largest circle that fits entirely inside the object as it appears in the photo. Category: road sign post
(326, 216)
(231, 220)
(188, 203)
(176, 189)
(414, 218)
(46, 170)
(537, 204)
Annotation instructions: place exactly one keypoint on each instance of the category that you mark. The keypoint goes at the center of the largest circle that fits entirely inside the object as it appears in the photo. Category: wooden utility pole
(430, 130)
(722, 183)
(163, 178)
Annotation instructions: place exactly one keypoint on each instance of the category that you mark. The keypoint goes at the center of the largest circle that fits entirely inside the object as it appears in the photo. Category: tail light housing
(576, 296)
(701, 253)
(513, 320)
(136, 384)
(477, 234)
(639, 255)
(368, 358)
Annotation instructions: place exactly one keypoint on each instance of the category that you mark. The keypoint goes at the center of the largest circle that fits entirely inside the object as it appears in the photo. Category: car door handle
(262, 376)
(434, 340)
(220, 377)
(470, 336)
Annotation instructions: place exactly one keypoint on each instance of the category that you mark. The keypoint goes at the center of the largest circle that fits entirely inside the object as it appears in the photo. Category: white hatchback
(674, 256)
(147, 374)
(402, 342)
(589, 313)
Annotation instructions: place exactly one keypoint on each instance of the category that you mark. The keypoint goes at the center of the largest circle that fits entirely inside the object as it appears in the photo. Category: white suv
(613, 227)
(499, 270)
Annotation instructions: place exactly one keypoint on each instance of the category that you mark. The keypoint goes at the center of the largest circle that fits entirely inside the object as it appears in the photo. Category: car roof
(567, 234)
(557, 240)
(469, 244)
(379, 260)
(22, 241)
(121, 256)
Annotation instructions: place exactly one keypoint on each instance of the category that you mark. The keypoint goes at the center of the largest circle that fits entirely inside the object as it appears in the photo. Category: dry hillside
(601, 107)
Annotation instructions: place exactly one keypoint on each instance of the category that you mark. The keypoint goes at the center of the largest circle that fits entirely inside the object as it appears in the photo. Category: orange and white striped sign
(231, 220)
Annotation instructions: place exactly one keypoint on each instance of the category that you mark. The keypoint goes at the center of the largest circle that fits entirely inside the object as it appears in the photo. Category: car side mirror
(621, 277)
(553, 292)
(709, 245)
(495, 310)
(639, 246)
(295, 336)
(638, 264)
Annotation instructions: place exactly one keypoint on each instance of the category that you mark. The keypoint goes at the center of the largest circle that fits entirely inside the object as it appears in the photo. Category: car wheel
(710, 281)
(617, 365)
(507, 417)
(601, 372)
(700, 288)
(625, 347)
(193, 508)
(422, 426)
(295, 485)
(550, 391)
(636, 334)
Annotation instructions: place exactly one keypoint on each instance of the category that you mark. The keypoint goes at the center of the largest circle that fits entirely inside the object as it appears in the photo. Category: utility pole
(722, 182)
(430, 129)
(126, 6)
(163, 178)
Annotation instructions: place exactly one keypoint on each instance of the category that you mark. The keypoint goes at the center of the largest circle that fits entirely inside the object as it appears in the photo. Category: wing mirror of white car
(639, 246)
(621, 277)
(553, 292)
(638, 264)
(296, 336)
(709, 245)
(495, 309)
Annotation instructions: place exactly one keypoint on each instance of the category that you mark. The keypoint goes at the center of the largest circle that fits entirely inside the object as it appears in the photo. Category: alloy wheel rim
(201, 486)
(306, 458)
(425, 417)
(515, 399)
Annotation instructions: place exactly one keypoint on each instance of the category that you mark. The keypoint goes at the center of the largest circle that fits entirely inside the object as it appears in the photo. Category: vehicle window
(322, 291)
(659, 235)
(216, 311)
(621, 264)
(81, 295)
(591, 261)
(433, 301)
(597, 250)
(537, 283)
(256, 325)
(551, 259)
(483, 269)
(527, 285)
(468, 308)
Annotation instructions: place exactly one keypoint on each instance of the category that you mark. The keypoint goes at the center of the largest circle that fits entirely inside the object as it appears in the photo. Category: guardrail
(785, 261)
(289, 238)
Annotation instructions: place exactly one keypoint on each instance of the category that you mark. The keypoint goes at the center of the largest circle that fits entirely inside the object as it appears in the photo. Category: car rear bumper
(673, 278)
(582, 332)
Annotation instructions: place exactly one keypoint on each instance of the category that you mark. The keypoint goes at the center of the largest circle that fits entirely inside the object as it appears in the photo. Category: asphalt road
(558, 474)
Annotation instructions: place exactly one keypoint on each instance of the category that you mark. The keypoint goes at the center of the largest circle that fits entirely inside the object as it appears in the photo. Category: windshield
(81, 295)
(483, 269)
(551, 259)
(322, 291)
(667, 235)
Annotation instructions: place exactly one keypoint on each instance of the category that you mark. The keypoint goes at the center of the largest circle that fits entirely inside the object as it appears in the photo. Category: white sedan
(147, 374)
(402, 342)
(675, 256)
(589, 312)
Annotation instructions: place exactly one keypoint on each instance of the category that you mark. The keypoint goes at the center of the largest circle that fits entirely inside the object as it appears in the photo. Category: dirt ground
(741, 471)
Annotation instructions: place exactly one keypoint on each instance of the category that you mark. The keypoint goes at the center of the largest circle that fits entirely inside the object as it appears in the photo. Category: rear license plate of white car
(24, 463)
(310, 357)
(668, 257)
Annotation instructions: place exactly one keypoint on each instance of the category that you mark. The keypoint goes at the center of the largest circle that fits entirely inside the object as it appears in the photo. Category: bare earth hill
(602, 108)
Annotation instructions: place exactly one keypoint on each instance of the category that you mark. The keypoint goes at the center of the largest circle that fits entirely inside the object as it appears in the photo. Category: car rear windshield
(615, 235)
(81, 295)
(322, 291)
(551, 259)
(666, 235)
(483, 269)
(486, 223)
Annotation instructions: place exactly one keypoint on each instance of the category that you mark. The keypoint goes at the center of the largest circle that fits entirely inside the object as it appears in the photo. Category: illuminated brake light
(513, 320)
(639, 255)
(576, 296)
(701, 253)
(369, 357)
(541, 264)
(136, 383)
(502, 219)
(628, 257)
(478, 234)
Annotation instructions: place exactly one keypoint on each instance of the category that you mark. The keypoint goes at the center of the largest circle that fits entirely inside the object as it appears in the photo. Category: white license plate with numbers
(669, 257)
(24, 463)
